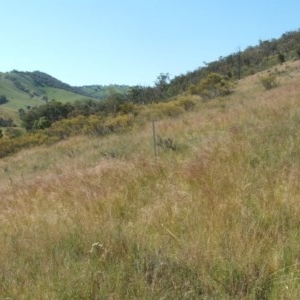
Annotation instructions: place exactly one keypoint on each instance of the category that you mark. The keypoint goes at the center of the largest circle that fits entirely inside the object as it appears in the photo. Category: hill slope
(215, 218)
(24, 89)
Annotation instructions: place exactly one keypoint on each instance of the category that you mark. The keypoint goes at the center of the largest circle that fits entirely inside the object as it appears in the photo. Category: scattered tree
(162, 82)
(3, 99)
(41, 123)
(44, 115)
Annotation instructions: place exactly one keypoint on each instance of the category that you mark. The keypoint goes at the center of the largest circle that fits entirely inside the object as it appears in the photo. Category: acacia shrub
(118, 123)
(212, 86)
(12, 145)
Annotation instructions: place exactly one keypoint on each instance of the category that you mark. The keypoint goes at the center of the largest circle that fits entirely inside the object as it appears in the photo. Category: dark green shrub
(298, 53)
(41, 123)
(3, 99)
(166, 144)
(281, 58)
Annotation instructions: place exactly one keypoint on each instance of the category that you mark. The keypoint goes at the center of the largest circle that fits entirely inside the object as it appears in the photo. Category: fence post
(154, 138)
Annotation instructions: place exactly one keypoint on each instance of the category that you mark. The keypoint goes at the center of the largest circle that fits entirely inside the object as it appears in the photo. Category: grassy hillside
(217, 217)
(16, 97)
(22, 91)
(28, 89)
(103, 92)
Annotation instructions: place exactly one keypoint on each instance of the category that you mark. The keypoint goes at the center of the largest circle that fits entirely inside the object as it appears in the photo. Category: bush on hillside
(298, 53)
(269, 81)
(41, 123)
(12, 145)
(281, 58)
(43, 116)
(6, 122)
(187, 103)
(118, 123)
(214, 85)
(13, 132)
(166, 144)
(3, 99)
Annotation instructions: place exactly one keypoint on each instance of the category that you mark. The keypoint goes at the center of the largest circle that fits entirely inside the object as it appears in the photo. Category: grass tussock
(216, 218)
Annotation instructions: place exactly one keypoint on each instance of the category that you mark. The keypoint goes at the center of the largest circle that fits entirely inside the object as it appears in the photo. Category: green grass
(9, 113)
(63, 95)
(18, 99)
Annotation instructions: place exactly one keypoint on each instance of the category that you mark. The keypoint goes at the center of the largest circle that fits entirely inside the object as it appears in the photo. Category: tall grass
(218, 218)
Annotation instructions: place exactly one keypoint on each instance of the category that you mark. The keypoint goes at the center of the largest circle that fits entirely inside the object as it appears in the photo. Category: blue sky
(83, 42)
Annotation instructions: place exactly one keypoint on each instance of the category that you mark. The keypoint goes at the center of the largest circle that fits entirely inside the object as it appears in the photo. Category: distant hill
(103, 92)
(27, 89)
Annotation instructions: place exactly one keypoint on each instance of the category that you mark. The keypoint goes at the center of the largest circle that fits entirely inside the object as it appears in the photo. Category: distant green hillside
(103, 92)
(22, 91)
(27, 89)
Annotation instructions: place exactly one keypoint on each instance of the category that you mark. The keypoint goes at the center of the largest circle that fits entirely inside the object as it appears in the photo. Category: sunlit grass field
(215, 217)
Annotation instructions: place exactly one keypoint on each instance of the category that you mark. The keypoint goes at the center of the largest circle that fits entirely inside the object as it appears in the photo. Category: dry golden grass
(99, 218)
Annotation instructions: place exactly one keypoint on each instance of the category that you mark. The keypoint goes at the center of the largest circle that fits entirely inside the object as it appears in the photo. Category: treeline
(232, 67)
(235, 66)
(55, 121)
(240, 64)
(43, 116)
